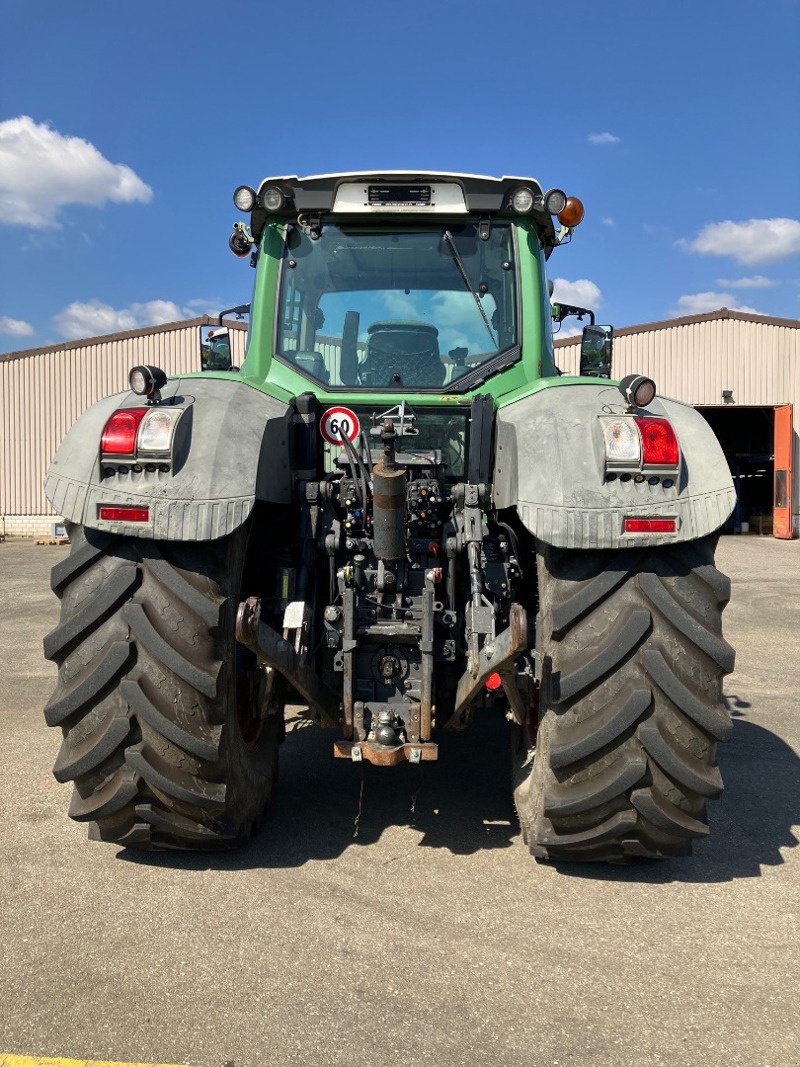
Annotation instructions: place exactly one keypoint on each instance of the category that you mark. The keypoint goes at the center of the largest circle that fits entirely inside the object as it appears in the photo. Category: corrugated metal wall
(43, 393)
(758, 361)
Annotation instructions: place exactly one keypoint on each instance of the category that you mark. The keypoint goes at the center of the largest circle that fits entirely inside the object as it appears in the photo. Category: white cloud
(757, 281)
(567, 329)
(16, 327)
(603, 138)
(201, 306)
(700, 303)
(754, 241)
(42, 170)
(582, 293)
(79, 320)
(401, 305)
(608, 221)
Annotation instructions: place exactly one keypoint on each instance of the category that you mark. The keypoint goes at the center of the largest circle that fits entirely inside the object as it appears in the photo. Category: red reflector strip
(649, 526)
(119, 433)
(125, 514)
(659, 443)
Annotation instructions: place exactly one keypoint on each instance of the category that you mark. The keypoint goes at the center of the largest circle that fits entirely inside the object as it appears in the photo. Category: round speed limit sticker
(338, 423)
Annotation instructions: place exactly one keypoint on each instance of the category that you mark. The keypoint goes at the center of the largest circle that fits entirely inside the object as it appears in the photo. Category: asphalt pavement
(393, 916)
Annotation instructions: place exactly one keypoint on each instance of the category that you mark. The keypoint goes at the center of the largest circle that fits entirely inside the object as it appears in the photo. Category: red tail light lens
(649, 526)
(119, 434)
(125, 514)
(659, 443)
(493, 682)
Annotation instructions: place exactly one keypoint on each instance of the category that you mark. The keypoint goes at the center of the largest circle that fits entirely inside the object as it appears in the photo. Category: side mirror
(596, 345)
(215, 348)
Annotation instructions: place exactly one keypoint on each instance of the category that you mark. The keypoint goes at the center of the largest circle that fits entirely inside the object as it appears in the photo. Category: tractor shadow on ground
(323, 806)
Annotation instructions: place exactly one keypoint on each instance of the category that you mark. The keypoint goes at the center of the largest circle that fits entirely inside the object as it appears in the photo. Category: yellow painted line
(7, 1060)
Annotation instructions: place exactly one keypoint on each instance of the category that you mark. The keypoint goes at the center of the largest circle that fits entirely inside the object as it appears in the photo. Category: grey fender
(550, 466)
(231, 448)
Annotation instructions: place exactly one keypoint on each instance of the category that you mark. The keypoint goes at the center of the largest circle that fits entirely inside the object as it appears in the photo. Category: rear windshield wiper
(462, 271)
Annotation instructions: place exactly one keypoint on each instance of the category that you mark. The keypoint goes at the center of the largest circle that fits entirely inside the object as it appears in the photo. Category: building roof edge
(691, 320)
(107, 338)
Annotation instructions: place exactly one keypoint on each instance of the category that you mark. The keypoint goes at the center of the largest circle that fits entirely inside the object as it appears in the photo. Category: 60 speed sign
(338, 423)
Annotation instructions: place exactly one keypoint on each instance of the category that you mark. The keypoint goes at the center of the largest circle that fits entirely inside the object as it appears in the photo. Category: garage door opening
(757, 442)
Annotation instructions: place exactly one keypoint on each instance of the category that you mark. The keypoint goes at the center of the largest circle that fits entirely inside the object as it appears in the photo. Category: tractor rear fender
(231, 448)
(550, 465)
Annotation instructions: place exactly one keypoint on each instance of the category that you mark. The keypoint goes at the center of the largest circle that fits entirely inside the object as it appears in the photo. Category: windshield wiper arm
(463, 272)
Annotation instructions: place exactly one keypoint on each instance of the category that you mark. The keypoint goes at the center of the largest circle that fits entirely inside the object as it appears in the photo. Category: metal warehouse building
(741, 371)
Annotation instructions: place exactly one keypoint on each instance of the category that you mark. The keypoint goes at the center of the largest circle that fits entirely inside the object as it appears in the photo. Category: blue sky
(124, 129)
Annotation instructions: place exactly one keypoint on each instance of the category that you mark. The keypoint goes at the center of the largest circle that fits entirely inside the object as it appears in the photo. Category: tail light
(659, 443)
(119, 433)
(143, 432)
(632, 442)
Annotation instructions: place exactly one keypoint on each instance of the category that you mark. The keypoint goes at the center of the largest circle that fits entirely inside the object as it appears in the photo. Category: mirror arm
(565, 310)
(242, 309)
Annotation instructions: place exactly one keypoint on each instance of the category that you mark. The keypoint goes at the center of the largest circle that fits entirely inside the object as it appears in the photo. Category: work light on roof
(522, 201)
(272, 199)
(244, 198)
(555, 200)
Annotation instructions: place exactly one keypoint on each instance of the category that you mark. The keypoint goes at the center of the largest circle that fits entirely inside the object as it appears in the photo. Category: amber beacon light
(572, 212)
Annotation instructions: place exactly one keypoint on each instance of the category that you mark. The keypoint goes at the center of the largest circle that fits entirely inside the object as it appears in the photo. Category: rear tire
(153, 690)
(631, 656)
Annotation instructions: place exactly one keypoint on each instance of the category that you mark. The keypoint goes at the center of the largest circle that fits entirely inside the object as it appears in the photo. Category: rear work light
(119, 433)
(659, 443)
(124, 514)
(649, 526)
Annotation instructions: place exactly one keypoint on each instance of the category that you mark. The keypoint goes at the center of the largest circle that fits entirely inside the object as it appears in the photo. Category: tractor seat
(402, 353)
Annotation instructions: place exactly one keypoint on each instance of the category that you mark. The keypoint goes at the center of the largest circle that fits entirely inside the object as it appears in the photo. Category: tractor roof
(383, 193)
(428, 191)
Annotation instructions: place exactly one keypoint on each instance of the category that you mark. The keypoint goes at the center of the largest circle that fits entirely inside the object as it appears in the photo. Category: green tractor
(397, 510)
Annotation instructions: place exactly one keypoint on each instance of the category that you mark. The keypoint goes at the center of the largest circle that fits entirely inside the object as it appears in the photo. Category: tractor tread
(631, 714)
(63, 704)
(149, 638)
(75, 760)
(572, 798)
(685, 769)
(621, 643)
(67, 634)
(600, 729)
(714, 719)
(191, 789)
(110, 798)
(667, 816)
(146, 696)
(204, 743)
(68, 569)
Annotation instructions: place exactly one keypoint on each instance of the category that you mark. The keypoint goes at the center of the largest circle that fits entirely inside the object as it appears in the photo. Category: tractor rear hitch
(497, 655)
(384, 755)
(274, 651)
